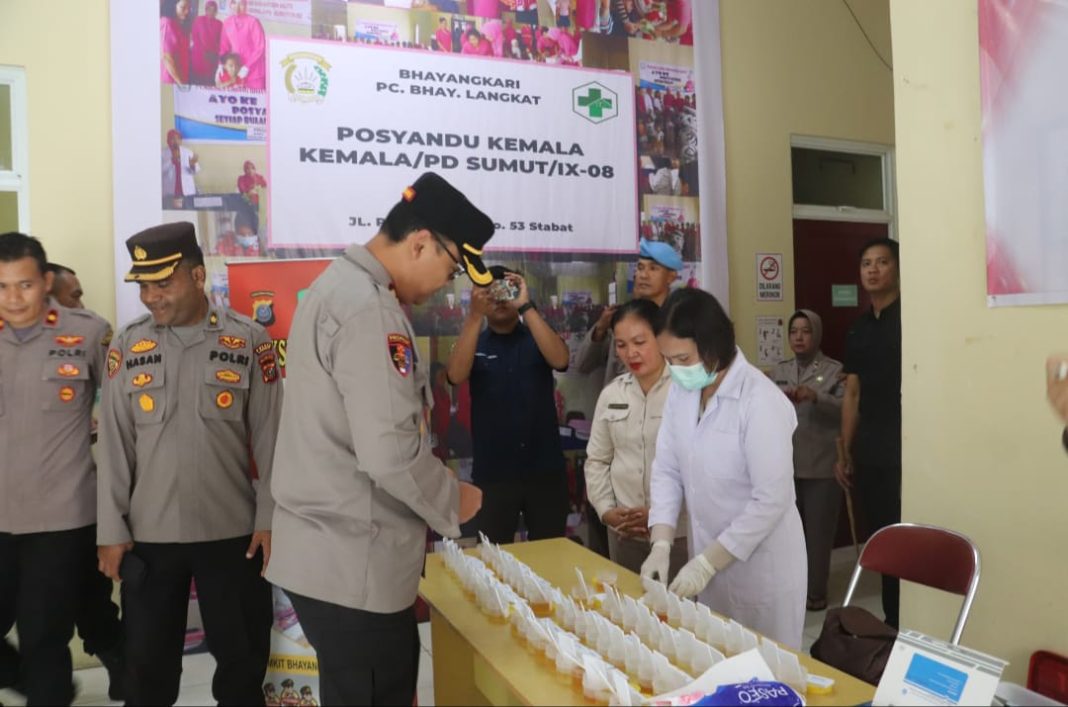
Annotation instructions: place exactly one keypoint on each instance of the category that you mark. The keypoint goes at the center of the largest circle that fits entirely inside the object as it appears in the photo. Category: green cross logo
(595, 102)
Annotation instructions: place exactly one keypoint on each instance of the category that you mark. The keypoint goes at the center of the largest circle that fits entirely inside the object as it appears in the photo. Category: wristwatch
(526, 307)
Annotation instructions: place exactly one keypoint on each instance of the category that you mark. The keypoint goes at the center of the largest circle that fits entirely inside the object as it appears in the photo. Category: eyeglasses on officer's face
(460, 270)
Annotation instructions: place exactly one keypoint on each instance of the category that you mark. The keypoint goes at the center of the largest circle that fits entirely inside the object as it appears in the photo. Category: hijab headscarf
(816, 323)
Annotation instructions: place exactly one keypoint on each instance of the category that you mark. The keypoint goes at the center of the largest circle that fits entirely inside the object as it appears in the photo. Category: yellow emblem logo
(224, 399)
(232, 342)
(68, 370)
(228, 376)
(66, 393)
(142, 379)
(140, 253)
(146, 402)
(143, 346)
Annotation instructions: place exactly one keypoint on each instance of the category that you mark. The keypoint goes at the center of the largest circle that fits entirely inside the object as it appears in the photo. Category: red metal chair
(1048, 675)
(924, 554)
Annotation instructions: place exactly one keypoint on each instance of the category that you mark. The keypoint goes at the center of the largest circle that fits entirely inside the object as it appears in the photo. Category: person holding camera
(518, 461)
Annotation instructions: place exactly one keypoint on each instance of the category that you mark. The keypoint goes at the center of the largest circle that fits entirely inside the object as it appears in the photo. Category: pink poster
(1023, 49)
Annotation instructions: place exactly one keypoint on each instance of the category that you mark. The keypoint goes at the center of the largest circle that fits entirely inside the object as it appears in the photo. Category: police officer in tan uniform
(97, 621)
(814, 384)
(190, 409)
(355, 481)
(66, 287)
(51, 363)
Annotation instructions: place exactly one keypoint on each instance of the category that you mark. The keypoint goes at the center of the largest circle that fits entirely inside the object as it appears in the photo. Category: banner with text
(543, 151)
(203, 114)
(293, 12)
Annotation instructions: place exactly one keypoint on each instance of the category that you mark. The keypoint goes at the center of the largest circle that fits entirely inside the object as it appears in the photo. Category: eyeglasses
(460, 269)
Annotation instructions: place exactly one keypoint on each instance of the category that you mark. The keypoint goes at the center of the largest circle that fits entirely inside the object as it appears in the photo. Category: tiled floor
(196, 681)
(196, 677)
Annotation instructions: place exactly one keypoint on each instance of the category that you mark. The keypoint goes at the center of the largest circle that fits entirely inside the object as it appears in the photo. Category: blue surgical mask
(693, 377)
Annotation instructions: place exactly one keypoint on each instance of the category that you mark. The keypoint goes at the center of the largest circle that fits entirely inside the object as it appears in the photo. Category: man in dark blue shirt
(871, 409)
(518, 462)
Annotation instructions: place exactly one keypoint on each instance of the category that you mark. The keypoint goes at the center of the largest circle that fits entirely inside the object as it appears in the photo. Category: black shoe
(115, 663)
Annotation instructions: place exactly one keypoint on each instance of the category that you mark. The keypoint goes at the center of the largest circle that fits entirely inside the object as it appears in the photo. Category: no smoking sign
(769, 277)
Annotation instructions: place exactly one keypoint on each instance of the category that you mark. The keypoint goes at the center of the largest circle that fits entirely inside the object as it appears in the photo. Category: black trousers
(879, 488)
(543, 501)
(41, 580)
(235, 603)
(364, 658)
(97, 618)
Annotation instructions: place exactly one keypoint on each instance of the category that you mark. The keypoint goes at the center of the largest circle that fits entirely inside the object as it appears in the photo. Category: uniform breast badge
(224, 399)
(228, 376)
(147, 402)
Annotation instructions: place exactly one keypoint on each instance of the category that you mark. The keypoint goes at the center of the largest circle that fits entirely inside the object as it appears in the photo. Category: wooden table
(477, 662)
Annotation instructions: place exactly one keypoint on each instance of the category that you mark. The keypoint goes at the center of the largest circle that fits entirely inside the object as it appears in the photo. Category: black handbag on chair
(856, 642)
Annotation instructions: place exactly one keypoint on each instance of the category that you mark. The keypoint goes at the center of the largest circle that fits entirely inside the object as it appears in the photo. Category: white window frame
(887, 215)
(17, 178)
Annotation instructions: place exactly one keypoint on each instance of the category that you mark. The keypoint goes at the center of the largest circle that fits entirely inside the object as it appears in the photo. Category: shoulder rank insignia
(143, 346)
(213, 320)
(52, 317)
(400, 353)
(114, 359)
(68, 340)
(232, 342)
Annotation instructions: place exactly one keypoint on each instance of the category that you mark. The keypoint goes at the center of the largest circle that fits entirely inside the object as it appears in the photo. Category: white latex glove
(242, 73)
(693, 577)
(658, 562)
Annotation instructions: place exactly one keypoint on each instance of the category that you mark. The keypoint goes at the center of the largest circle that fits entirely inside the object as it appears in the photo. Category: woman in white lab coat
(725, 448)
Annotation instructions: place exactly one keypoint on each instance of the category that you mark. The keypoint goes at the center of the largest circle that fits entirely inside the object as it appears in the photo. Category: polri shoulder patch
(114, 361)
(400, 353)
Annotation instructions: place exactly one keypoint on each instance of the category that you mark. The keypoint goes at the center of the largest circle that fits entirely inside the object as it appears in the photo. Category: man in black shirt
(871, 409)
(518, 461)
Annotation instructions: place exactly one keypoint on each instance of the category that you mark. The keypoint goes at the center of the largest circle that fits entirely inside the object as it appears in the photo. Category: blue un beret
(662, 253)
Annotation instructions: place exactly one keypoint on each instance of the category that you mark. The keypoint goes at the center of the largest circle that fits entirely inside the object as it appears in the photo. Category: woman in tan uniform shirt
(623, 439)
(813, 383)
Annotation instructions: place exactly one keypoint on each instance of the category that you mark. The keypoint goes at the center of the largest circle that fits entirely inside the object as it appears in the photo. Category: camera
(503, 290)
